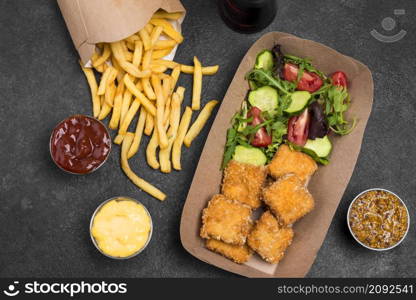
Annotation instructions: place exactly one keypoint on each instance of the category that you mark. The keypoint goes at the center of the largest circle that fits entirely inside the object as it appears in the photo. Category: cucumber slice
(266, 98)
(321, 146)
(264, 60)
(299, 101)
(249, 155)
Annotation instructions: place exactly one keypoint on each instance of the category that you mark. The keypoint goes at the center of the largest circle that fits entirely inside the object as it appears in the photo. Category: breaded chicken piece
(243, 183)
(269, 239)
(290, 161)
(288, 199)
(226, 220)
(238, 254)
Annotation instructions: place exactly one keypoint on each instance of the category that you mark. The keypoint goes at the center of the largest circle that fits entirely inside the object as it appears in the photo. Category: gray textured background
(44, 213)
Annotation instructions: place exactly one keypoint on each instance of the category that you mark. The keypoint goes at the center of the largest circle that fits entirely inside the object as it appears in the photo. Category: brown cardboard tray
(327, 185)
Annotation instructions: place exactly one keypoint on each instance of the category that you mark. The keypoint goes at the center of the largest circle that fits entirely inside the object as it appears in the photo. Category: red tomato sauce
(80, 144)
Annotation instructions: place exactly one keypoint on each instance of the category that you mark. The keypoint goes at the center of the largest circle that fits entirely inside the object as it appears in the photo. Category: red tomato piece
(298, 128)
(261, 137)
(339, 78)
(309, 81)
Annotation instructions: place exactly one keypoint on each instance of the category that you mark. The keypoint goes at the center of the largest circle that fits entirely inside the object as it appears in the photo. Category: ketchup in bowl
(80, 144)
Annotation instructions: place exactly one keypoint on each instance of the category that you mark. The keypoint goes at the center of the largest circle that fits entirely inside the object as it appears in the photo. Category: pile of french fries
(136, 80)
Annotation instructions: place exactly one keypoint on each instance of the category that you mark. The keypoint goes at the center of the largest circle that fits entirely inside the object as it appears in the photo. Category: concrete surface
(44, 213)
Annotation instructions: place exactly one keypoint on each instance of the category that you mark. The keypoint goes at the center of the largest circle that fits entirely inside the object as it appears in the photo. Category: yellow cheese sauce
(121, 227)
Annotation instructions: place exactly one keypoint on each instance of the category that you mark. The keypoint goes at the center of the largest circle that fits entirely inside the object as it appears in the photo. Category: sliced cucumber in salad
(299, 100)
(321, 146)
(264, 60)
(265, 98)
(249, 155)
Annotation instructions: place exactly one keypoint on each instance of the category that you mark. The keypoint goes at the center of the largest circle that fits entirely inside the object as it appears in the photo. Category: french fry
(117, 50)
(164, 44)
(144, 35)
(89, 74)
(133, 70)
(101, 68)
(104, 56)
(95, 56)
(166, 87)
(177, 145)
(147, 88)
(120, 71)
(166, 15)
(142, 98)
(127, 96)
(118, 139)
(175, 76)
(158, 68)
(151, 151)
(127, 54)
(147, 58)
(112, 76)
(134, 107)
(150, 124)
(138, 134)
(168, 63)
(180, 91)
(139, 182)
(103, 82)
(160, 105)
(136, 66)
(149, 28)
(110, 92)
(196, 90)
(130, 46)
(199, 122)
(105, 110)
(118, 100)
(175, 115)
(138, 52)
(211, 70)
(166, 112)
(133, 38)
(156, 54)
(157, 30)
(168, 29)
(139, 85)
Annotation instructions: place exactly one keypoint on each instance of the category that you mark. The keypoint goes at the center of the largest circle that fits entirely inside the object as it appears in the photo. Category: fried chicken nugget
(288, 199)
(243, 183)
(226, 220)
(238, 254)
(290, 161)
(269, 239)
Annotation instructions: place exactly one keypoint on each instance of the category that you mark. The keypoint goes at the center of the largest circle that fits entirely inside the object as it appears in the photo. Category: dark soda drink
(247, 15)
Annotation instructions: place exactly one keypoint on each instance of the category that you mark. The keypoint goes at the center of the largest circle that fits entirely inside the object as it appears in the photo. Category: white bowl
(366, 246)
(121, 198)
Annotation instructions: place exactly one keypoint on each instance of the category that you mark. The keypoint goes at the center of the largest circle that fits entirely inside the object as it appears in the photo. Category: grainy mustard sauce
(378, 219)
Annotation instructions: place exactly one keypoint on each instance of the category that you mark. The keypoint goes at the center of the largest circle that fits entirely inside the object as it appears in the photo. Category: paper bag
(94, 21)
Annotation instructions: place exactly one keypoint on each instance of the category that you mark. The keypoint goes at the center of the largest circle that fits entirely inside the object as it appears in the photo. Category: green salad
(291, 102)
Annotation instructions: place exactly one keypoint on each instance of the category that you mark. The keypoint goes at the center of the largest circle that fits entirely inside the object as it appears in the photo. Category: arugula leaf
(304, 64)
(337, 101)
(262, 77)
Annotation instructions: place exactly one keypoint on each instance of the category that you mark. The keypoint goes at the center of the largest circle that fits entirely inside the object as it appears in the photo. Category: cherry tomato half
(309, 81)
(339, 78)
(298, 128)
(261, 138)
